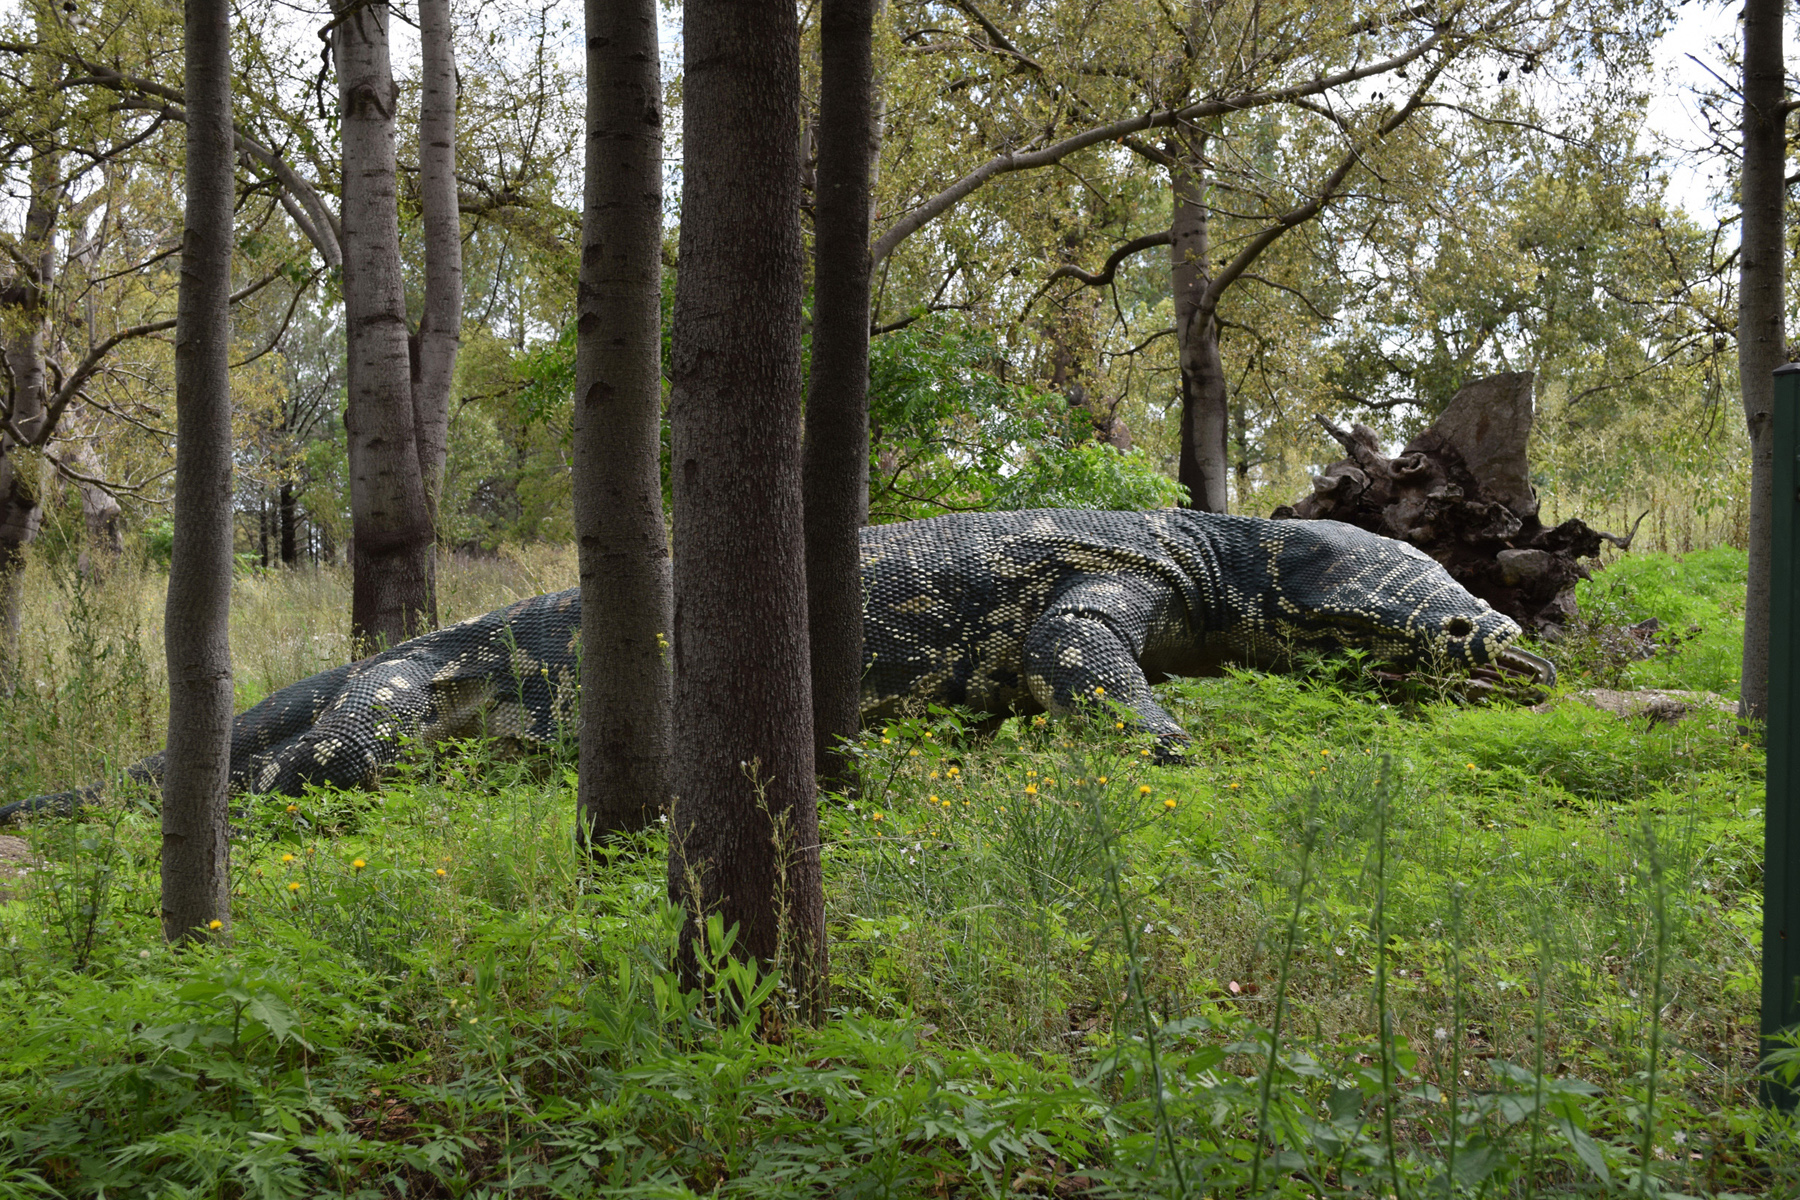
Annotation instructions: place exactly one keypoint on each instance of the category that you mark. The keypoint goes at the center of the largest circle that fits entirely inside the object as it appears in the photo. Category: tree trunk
(1761, 338)
(835, 459)
(24, 319)
(286, 507)
(195, 880)
(744, 838)
(392, 597)
(440, 325)
(626, 606)
(1205, 418)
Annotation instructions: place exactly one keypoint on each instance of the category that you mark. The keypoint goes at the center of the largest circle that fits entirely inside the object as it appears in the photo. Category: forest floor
(1373, 941)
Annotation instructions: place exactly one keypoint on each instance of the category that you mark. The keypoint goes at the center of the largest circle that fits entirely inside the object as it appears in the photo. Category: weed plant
(1364, 945)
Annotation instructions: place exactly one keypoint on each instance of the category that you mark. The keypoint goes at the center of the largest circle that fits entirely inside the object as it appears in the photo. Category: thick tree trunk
(392, 597)
(440, 326)
(744, 838)
(1205, 416)
(196, 773)
(101, 517)
(24, 328)
(1761, 338)
(835, 461)
(627, 614)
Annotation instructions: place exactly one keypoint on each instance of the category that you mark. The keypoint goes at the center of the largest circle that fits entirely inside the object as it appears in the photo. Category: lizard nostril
(1459, 626)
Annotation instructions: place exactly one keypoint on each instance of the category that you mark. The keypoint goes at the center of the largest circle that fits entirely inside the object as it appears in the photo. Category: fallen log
(1461, 492)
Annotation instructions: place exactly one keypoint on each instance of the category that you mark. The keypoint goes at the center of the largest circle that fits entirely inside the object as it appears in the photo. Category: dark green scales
(1010, 612)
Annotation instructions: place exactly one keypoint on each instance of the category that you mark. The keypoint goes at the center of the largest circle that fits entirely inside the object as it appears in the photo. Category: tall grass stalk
(1309, 842)
(1383, 1014)
(1454, 1092)
(1540, 976)
(1107, 842)
(1659, 917)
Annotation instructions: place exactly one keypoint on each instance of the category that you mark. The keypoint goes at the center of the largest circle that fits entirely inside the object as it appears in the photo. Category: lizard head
(1330, 586)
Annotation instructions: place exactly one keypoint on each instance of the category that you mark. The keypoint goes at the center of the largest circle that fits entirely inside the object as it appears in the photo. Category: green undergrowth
(1365, 943)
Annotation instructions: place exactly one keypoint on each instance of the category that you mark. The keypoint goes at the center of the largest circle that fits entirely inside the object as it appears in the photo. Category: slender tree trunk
(835, 460)
(287, 507)
(744, 838)
(627, 612)
(1205, 419)
(24, 331)
(440, 326)
(1761, 338)
(195, 874)
(392, 597)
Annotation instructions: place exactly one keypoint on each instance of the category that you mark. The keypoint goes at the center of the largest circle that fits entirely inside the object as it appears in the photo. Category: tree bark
(1205, 414)
(440, 325)
(1761, 337)
(627, 613)
(287, 507)
(195, 848)
(744, 838)
(835, 458)
(24, 318)
(392, 597)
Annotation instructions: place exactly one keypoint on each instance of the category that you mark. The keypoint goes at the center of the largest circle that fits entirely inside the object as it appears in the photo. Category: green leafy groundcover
(1369, 943)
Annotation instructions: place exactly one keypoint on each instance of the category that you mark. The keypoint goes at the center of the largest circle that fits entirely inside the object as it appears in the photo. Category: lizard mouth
(1540, 668)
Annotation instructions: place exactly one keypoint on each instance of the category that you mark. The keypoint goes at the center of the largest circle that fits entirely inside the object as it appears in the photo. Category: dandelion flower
(1169, 803)
(1099, 691)
(357, 864)
(1031, 774)
(1102, 779)
(928, 733)
(954, 771)
(215, 924)
(931, 799)
(1031, 789)
(887, 741)
(1118, 724)
(287, 858)
(1324, 754)
(1236, 785)
(1145, 753)
(293, 887)
(875, 817)
(934, 775)
(1471, 766)
(441, 872)
(1143, 789)
(293, 808)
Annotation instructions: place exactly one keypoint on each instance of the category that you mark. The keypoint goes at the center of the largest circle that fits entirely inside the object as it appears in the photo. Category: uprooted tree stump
(1461, 492)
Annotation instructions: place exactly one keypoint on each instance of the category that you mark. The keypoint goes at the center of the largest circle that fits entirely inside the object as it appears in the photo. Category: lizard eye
(1458, 626)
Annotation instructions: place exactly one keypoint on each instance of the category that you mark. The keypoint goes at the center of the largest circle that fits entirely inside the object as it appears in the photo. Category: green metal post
(1781, 811)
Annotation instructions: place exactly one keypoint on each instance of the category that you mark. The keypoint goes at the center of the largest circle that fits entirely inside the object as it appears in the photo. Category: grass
(1370, 945)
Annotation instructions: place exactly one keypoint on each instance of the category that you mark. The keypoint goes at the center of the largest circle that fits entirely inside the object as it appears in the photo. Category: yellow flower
(1145, 753)
(1118, 724)
(357, 864)
(887, 741)
(934, 775)
(875, 817)
(1031, 774)
(293, 887)
(1031, 789)
(1143, 789)
(931, 799)
(1099, 691)
(441, 872)
(287, 858)
(1040, 720)
(1169, 803)
(1237, 785)
(912, 754)
(1079, 782)
(215, 924)
(1324, 754)
(1049, 782)
(928, 733)
(954, 771)
(1471, 766)
(293, 808)
(1102, 779)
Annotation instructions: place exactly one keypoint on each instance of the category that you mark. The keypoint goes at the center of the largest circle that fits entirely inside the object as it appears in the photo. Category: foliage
(1697, 603)
(948, 432)
(1060, 969)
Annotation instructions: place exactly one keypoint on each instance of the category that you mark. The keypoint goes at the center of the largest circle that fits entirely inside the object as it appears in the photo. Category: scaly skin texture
(1009, 612)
